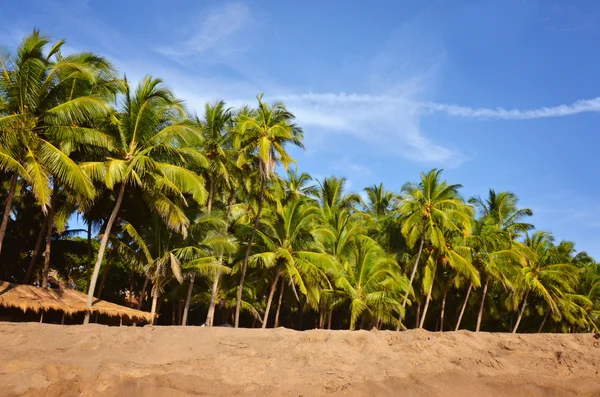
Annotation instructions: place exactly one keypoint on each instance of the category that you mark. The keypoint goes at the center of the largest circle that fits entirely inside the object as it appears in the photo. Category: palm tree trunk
(514, 331)
(89, 244)
(143, 293)
(36, 251)
(462, 311)
(443, 309)
(213, 299)
(131, 282)
(480, 315)
(103, 244)
(414, 271)
(428, 299)
(279, 303)
(543, 322)
(322, 319)
(329, 316)
(269, 301)
(238, 303)
(418, 315)
(105, 273)
(154, 305)
(230, 203)
(211, 188)
(8, 208)
(188, 299)
(49, 228)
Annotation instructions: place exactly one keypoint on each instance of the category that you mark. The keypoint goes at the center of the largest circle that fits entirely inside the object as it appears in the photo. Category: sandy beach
(51, 360)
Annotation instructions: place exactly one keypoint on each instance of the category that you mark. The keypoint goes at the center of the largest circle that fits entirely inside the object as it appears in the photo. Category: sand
(94, 360)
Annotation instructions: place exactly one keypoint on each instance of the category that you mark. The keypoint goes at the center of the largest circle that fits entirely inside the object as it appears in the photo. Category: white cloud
(581, 106)
(389, 124)
(214, 30)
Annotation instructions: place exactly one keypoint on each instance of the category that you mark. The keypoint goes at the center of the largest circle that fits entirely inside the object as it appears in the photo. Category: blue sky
(501, 95)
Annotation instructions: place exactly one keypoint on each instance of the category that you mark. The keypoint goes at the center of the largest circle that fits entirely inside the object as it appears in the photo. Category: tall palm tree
(49, 102)
(215, 128)
(544, 273)
(153, 145)
(208, 242)
(371, 282)
(455, 256)
(264, 133)
(501, 221)
(430, 210)
(287, 245)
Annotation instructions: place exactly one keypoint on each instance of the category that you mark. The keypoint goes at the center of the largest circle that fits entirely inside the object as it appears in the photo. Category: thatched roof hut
(68, 301)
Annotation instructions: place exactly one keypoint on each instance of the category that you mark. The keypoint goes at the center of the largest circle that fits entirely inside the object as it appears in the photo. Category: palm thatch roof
(68, 301)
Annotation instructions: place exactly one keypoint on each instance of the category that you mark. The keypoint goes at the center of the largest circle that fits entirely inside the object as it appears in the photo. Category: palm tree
(431, 209)
(49, 104)
(152, 147)
(264, 133)
(501, 221)
(454, 255)
(208, 242)
(215, 128)
(382, 209)
(288, 247)
(501, 209)
(297, 186)
(371, 282)
(544, 274)
(343, 224)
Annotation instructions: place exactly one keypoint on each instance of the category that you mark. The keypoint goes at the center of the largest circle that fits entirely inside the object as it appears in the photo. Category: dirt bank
(49, 360)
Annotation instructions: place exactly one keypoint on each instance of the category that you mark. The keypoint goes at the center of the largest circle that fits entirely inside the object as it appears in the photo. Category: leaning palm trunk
(105, 273)
(49, 228)
(427, 300)
(410, 282)
(210, 316)
(279, 303)
(462, 311)
(103, 244)
(270, 300)
(480, 315)
(188, 299)
(238, 303)
(8, 208)
(514, 331)
(414, 271)
(36, 251)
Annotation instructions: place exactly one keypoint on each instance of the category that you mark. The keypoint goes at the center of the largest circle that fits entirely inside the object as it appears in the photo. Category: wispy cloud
(217, 27)
(581, 106)
(343, 99)
(389, 124)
